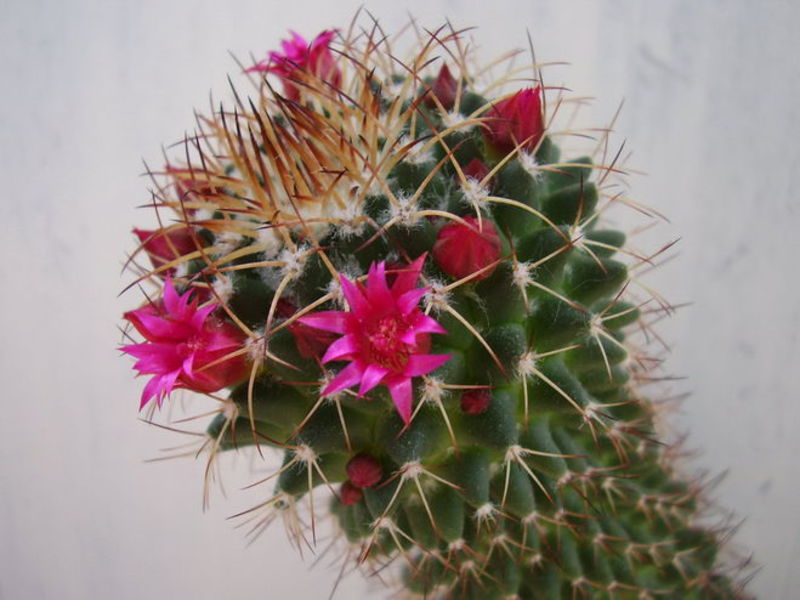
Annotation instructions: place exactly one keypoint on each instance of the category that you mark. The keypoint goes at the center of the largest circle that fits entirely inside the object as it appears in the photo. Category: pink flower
(298, 58)
(183, 345)
(517, 120)
(385, 335)
(444, 89)
(460, 250)
(165, 246)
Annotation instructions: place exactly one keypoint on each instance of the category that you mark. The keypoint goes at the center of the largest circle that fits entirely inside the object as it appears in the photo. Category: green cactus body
(530, 467)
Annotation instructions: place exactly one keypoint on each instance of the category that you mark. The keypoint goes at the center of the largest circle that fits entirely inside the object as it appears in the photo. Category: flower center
(384, 346)
(192, 345)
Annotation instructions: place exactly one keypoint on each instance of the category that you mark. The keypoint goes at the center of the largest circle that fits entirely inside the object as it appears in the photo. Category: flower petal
(348, 376)
(150, 390)
(200, 316)
(420, 325)
(328, 320)
(172, 302)
(188, 365)
(155, 328)
(409, 300)
(168, 383)
(353, 295)
(378, 293)
(420, 364)
(154, 357)
(340, 348)
(425, 324)
(372, 376)
(407, 276)
(158, 386)
(400, 389)
(134, 317)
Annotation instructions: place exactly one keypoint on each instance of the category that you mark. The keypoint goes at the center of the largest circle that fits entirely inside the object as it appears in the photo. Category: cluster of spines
(557, 487)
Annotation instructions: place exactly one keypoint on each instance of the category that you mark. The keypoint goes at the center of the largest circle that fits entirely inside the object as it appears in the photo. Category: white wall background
(91, 87)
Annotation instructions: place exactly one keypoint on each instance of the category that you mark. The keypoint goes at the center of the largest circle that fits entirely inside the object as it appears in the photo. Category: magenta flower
(298, 57)
(517, 120)
(186, 346)
(385, 335)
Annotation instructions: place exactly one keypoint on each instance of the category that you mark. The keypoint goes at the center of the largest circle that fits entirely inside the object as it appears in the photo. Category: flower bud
(444, 89)
(364, 471)
(460, 250)
(517, 120)
(164, 246)
(191, 185)
(350, 494)
(311, 342)
(477, 170)
(475, 402)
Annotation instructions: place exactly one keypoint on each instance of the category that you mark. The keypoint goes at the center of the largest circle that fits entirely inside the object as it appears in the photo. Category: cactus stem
(427, 507)
(256, 346)
(343, 422)
(515, 453)
(437, 299)
(256, 352)
(533, 211)
(533, 265)
(603, 317)
(474, 193)
(394, 530)
(468, 326)
(382, 523)
(555, 294)
(285, 281)
(301, 453)
(484, 515)
(475, 274)
(433, 390)
(300, 313)
(530, 164)
(432, 393)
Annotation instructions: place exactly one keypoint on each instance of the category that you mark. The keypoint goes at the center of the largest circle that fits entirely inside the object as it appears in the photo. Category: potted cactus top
(383, 267)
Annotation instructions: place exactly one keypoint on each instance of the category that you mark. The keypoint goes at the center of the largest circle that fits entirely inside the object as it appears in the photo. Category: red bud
(444, 89)
(165, 246)
(364, 471)
(475, 402)
(460, 250)
(516, 120)
(350, 494)
(477, 170)
(311, 342)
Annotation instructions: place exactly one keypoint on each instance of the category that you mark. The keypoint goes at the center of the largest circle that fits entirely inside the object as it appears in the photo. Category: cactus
(387, 271)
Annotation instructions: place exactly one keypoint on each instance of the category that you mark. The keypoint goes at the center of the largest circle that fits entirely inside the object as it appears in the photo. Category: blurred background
(93, 87)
